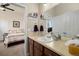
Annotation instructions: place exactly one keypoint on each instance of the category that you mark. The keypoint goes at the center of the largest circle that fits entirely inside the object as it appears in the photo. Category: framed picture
(16, 24)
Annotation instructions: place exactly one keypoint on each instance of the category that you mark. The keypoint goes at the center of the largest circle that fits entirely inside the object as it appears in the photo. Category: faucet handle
(59, 36)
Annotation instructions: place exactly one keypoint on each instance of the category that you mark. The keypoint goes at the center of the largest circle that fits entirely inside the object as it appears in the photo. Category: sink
(46, 39)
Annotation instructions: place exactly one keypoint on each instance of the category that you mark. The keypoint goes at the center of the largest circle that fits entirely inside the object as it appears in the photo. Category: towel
(74, 41)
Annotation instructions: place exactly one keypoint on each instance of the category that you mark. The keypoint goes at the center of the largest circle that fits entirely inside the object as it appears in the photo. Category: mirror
(64, 19)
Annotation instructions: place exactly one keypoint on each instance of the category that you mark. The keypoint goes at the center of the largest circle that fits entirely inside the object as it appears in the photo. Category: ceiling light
(1, 8)
(45, 4)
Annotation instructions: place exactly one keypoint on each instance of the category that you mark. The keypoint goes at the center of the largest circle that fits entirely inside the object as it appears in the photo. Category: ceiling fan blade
(5, 6)
(8, 8)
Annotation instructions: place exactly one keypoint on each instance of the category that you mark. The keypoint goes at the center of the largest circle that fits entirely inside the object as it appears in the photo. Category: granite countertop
(56, 46)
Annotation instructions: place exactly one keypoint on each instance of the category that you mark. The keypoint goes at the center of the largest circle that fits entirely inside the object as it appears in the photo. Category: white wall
(32, 8)
(32, 21)
(29, 22)
(65, 7)
(48, 6)
(68, 22)
(60, 8)
(6, 20)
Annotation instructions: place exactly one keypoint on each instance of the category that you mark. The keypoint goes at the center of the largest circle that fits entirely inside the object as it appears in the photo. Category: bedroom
(11, 29)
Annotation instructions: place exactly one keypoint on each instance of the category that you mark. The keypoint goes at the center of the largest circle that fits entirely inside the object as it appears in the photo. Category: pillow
(12, 31)
(18, 31)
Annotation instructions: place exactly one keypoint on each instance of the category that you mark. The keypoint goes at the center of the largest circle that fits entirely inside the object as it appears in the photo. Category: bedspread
(12, 37)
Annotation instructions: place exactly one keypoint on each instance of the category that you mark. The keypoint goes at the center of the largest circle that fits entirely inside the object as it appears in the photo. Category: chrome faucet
(55, 37)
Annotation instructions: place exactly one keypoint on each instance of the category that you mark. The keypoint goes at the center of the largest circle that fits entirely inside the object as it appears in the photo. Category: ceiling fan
(5, 6)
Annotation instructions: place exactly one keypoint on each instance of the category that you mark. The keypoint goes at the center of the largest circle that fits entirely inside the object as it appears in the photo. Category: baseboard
(1, 40)
(15, 43)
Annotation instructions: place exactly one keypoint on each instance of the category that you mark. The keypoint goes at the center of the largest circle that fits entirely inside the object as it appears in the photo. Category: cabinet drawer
(48, 52)
(38, 46)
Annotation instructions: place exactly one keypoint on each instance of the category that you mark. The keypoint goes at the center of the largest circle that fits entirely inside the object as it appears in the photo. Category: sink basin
(46, 39)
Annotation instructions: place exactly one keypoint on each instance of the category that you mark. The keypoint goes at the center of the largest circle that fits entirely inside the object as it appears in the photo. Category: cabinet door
(38, 49)
(31, 47)
(39, 46)
(37, 52)
(31, 50)
(48, 52)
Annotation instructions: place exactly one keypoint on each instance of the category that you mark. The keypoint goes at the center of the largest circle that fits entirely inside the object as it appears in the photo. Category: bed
(13, 37)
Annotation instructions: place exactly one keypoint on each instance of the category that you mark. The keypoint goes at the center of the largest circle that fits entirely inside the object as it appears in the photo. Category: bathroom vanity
(38, 47)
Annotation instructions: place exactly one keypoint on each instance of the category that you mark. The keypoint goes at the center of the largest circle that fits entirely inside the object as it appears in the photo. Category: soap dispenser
(41, 28)
(35, 28)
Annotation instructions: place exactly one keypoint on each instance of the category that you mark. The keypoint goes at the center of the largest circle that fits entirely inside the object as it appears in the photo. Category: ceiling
(18, 7)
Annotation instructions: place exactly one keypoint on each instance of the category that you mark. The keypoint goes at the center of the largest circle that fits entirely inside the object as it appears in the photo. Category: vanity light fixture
(42, 17)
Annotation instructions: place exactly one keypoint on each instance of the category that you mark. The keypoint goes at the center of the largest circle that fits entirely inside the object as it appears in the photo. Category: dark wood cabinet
(30, 47)
(48, 52)
(36, 49)
(38, 46)
(37, 52)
